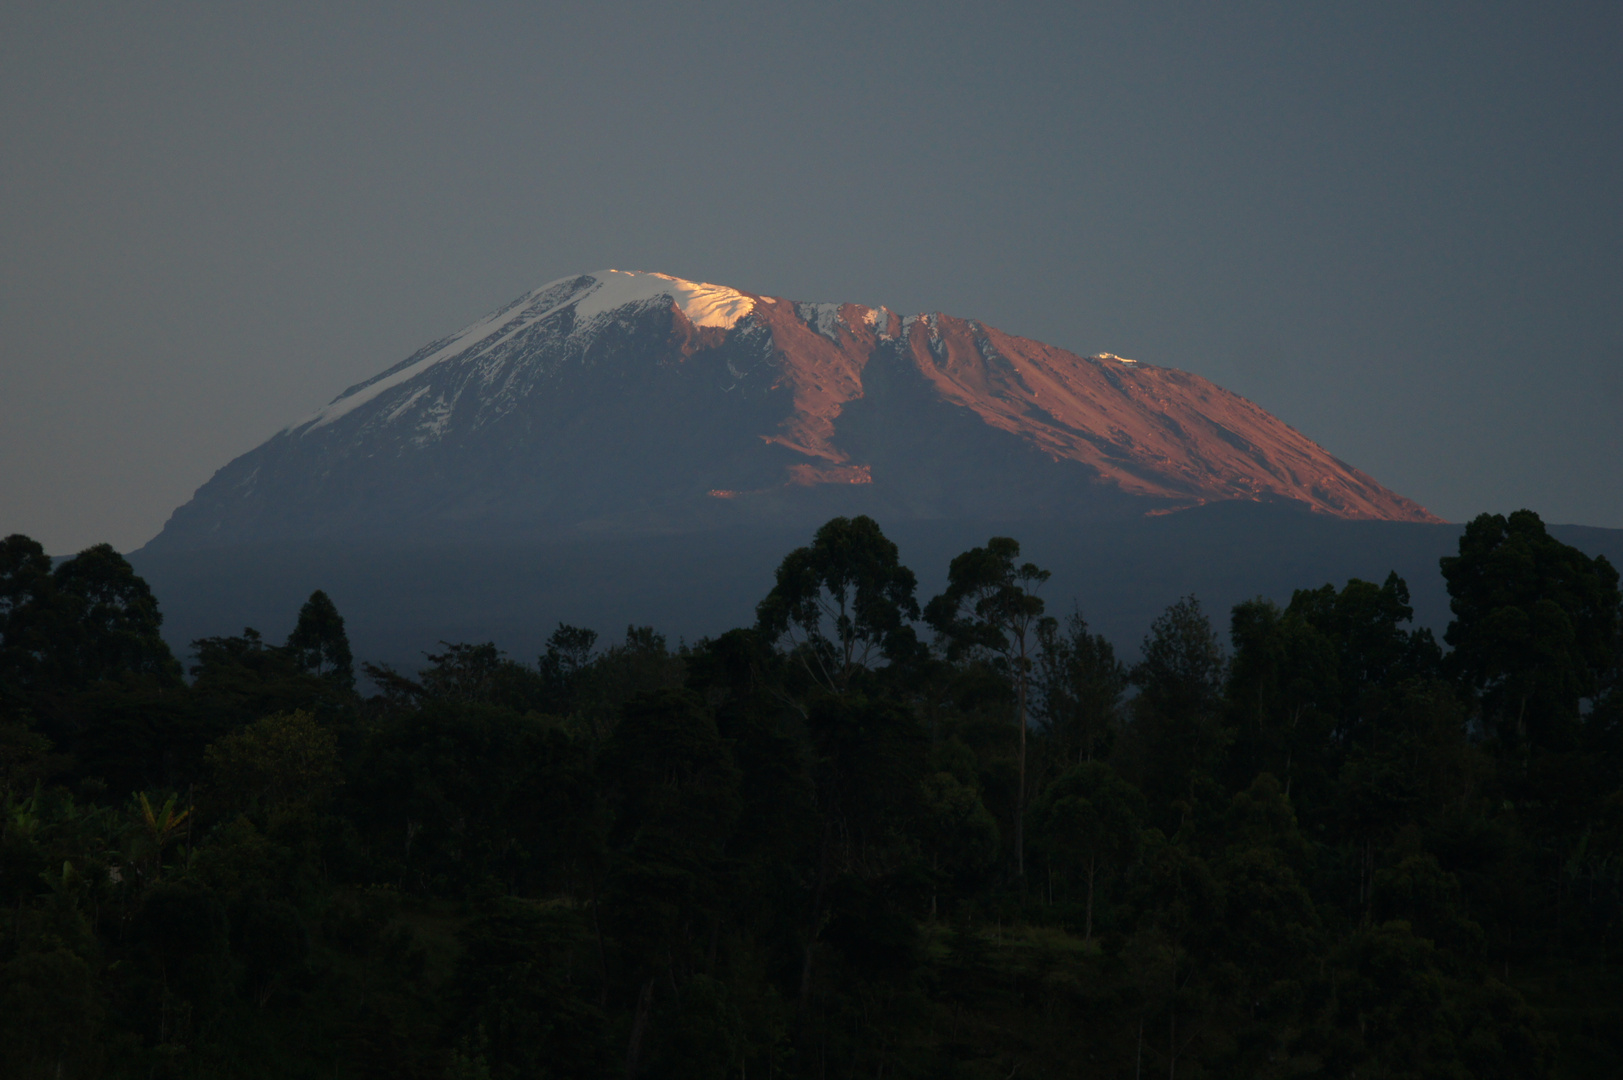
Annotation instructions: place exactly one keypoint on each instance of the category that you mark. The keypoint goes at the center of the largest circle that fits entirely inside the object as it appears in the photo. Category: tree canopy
(1318, 844)
(842, 602)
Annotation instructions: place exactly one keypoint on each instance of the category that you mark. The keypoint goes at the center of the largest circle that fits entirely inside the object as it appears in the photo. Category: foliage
(278, 762)
(991, 607)
(1324, 847)
(1535, 627)
(319, 644)
(1081, 683)
(850, 580)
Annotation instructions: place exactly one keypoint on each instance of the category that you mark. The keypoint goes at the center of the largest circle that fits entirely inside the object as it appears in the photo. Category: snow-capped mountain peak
(703, 304)
(593, 296)
(628, 400)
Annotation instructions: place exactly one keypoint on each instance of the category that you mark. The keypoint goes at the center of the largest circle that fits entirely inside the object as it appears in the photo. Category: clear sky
(1398, 227)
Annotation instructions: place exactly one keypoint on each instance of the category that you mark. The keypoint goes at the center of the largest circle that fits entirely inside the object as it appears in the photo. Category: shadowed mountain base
(400, 600)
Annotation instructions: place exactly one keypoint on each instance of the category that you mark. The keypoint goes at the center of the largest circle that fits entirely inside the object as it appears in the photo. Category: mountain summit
(639, 402)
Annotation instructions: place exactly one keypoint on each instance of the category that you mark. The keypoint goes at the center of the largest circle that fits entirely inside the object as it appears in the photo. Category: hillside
(632, 403)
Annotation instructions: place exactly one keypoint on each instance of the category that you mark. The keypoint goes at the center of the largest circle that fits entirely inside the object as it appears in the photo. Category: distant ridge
(633, 403)
(400, 599)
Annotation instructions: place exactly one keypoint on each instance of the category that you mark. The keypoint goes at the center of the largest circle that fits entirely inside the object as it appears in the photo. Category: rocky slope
(634, 403)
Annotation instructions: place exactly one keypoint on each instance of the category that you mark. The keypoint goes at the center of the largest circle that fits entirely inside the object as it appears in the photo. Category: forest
(872, 835)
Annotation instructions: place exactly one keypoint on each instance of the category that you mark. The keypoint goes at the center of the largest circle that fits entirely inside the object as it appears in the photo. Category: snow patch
(702, 303)
(525, 311)
(592, 295)
(434, 421)
(400, 410)
(823, 318)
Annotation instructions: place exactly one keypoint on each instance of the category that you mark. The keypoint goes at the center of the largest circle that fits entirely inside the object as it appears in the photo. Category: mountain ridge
(635, 402)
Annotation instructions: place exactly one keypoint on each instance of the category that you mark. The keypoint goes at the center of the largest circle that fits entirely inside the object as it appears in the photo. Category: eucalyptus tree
(1535, 630)
(842, 603)
(26, 630)
(1177, 740)
(991, 607)
(1080, 684)
(106, 622)
(319, 644)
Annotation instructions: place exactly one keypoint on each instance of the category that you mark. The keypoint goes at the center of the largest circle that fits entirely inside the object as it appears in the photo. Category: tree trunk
(1172, 1044)
(803, 1007)
(602, 954)
(638, 1026)
(1172, 1019)
(1092, 861)
(1020, 800)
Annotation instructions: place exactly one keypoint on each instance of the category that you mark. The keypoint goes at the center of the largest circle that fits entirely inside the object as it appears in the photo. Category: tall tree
(238, 679)
(1364, 621)
(675, 801)
(1177, 734)
(843, 602)
(1087, 822)
(318, 643)
(25, 613)
(111, 620)
(568, 655)
(1535, 627)
(1081, 683)
(991, 605)
(1282, 687)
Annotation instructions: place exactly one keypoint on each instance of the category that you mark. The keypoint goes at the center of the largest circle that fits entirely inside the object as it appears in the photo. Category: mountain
(624, 448)
(634, 403)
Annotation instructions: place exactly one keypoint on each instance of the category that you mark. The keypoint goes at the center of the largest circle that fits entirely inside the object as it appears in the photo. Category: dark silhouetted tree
(843, 602)
(1535, 627)
(1080, 685)
(1177, 733)
(569, 652)
(279, 762)
(991, 606)
(240, 678)
(1086, 824)
(110, 621)
(318, 643)
(1282, 687)
(27, 633)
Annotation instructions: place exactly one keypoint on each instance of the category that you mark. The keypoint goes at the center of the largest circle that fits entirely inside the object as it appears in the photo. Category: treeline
(867, 836)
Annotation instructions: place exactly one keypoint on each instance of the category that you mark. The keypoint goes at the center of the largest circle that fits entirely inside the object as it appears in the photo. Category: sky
(1397, 227)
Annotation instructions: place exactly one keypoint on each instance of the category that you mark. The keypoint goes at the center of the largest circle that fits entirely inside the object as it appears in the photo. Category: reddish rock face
(1154, 432)
(637, 402)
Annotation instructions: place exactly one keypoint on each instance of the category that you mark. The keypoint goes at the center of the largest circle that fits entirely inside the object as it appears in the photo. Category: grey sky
(1397, 229)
